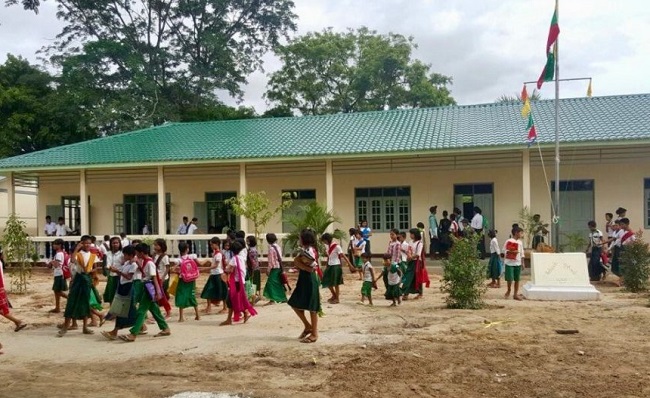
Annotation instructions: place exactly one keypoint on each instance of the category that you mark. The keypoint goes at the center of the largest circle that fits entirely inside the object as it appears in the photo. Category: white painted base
(560, 293)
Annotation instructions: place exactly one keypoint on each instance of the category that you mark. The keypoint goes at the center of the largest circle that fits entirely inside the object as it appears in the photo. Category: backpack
(189, 270)
(65, 267)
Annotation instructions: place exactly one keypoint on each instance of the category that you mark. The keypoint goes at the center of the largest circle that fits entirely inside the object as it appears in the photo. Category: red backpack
(189, 269)
(65, 267)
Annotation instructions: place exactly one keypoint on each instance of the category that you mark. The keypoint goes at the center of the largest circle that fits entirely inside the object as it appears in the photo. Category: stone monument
(559, 277)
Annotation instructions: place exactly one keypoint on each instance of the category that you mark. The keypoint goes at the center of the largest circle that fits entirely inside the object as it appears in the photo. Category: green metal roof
(450, 128)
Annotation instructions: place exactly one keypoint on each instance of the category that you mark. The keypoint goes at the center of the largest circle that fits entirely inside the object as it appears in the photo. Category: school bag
(65, 267)
(189, 270)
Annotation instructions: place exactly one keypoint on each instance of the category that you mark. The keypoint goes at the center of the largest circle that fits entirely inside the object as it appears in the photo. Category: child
(146, 303)
(416, 276)
(306, 295)
(113, 259)
(237, 300)
(394, 247)
(78, 305)
(253, 264)
(404, 251)
(225, 250)
(215, 289)
(60, 285)
(368, 279)
(494, 266)
(392, 276)
(596, 270)
(186, 290)
(420, 226)
(161, 260)
(274, 288)
(333, 275)
(358, 248)
(514, 252)
(5, 310)
(125, 272)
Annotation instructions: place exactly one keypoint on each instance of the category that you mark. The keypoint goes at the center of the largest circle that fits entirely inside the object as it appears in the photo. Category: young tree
(257, 207)
(330, 72)
(18, 250)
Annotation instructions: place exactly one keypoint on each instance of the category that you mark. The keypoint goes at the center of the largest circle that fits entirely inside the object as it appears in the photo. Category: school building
(388, 167)
(24, 208)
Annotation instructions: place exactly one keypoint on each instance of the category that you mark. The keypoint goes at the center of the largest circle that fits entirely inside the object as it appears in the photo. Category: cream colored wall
(25, 203)
(50, 193)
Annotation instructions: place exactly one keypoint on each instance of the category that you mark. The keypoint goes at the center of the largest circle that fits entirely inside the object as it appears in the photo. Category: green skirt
(185, 294)
(358, 263)
(408, 280)
(78, 304)
(60, 284)
(273, 290)
(95, 300)
(111, 288)
(392, 292)
(137, 290)
(257, 279)
(306, 295)
(366, 289)
(333, 276)
(215, 289)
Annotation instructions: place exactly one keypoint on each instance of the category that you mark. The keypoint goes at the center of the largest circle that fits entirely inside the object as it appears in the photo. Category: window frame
(378, 205)
(646, 203)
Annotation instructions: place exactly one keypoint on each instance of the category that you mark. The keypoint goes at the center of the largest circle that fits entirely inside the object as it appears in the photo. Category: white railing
(200, 242)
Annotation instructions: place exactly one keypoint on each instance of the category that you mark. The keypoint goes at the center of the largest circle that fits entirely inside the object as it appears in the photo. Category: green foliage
(329, 72)
(315, 217)
(463, 278)
(18, 250)
(574, 242)
(528, 224)
(257, 207)
(635, 266)
(534, 96)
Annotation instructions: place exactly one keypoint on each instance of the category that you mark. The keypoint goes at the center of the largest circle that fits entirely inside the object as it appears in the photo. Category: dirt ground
(417, 349)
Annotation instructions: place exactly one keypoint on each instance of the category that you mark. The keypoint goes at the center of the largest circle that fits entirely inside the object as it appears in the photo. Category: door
(576, 209)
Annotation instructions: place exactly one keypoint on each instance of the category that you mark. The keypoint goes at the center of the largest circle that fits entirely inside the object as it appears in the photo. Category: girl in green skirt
(253, 264)
(215, 290)
(186, 291)
(306, 295)
(161, 260)
(114, 259)
(60, 285)
(274, 289)
(333, 274)
(125, 289)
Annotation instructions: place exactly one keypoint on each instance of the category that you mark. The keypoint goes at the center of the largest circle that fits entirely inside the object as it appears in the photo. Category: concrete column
(329, 190)
(162, 202)
(83, 204)
(526, 178)
(11, 194)
(243, 222)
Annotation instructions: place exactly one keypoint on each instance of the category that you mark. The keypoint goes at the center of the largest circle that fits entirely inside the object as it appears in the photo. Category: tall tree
(142, 62)
(330, 72)
(34, 113)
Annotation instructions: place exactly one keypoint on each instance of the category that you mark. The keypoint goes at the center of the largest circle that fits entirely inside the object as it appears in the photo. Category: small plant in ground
(315, 217)
(257, 207)
(574, 242)
(18, 251)
(635, 266)
(463, 278)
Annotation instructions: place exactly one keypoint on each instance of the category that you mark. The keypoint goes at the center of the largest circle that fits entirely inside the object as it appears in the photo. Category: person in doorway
(50, 230)
(62, 229)
(434, 246)
(444, 235)
(477, 226)
(366, 233)
(182, 228)
(458, 216)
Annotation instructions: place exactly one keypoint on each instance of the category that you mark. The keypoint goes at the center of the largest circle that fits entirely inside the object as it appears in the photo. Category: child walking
(114, 259)
(215, 290)
(333, 275)
(514, 252)
(161, 260)
(186, 290)
(237, 301)
(59, 263)
(392, 276)
(5, 307)
(125, 272)
(253, 264)
(274, 288)
(368, 279)
(358, 248)
(494, 266)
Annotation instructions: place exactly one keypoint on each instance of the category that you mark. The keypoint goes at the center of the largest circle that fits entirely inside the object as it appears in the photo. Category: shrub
(18, 250)
(635, 266)
(464, 275)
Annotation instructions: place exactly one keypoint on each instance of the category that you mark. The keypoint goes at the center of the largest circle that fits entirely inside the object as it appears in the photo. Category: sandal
(109, 336)
(163, 334)
(309, 340)
(304, 334)
(127, 338)
(61, 333)
(20, 327)
(247, 316)
(88, 331)
(519, 297)
(54, 311)
(225, 323)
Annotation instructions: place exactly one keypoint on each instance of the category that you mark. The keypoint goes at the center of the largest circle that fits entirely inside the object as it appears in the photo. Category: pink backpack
(189, 269)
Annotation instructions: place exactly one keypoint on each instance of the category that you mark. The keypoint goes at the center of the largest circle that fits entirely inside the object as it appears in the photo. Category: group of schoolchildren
(604, 250)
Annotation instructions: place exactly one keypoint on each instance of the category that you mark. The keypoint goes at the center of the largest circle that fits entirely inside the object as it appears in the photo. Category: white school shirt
(239, 270)
(50, 228)
(125, 242)
(516, 262)
(404, 247)
(477, 221)
(359, 244)
(393, 277)
(595, 238)
(62, 230)
(182, 229)
(416, 248)
(114, 260)
(163, 266)
(137, 275)
(617, 239)
(58, 268)
(367, 276)
(454, 227)
(128, 268)
(217, 260)
(149, 271)
(191, 228)
(334, 257)
(494, 246)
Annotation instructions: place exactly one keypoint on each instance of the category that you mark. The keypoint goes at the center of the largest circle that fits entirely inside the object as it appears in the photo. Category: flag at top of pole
(551, 49)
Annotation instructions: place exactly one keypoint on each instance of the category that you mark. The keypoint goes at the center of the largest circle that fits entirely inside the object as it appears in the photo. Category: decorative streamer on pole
(525, 110)
(589, 89)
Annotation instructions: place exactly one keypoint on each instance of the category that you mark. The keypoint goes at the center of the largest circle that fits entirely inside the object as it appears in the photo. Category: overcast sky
(489, 47)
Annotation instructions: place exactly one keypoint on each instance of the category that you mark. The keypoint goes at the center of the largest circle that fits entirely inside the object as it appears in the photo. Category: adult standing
(444, 234)
(434, 248)
(459, 218)
(182, 228)
(477, 226)
(63, 230)
(306, 295)
(191, 230)
(50, 230)
(366, 233)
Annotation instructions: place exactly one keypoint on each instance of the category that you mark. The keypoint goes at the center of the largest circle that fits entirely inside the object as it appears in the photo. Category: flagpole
(556, 220)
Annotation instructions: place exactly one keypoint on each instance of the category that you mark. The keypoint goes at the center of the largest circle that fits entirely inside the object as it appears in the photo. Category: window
(384, 208)
(646, 186)
(72, 212)
(220, 216)
(138, 210)
(301, 197)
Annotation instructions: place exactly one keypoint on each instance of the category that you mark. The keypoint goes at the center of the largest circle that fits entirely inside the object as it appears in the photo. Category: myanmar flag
(551, 51)
(532, 133)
